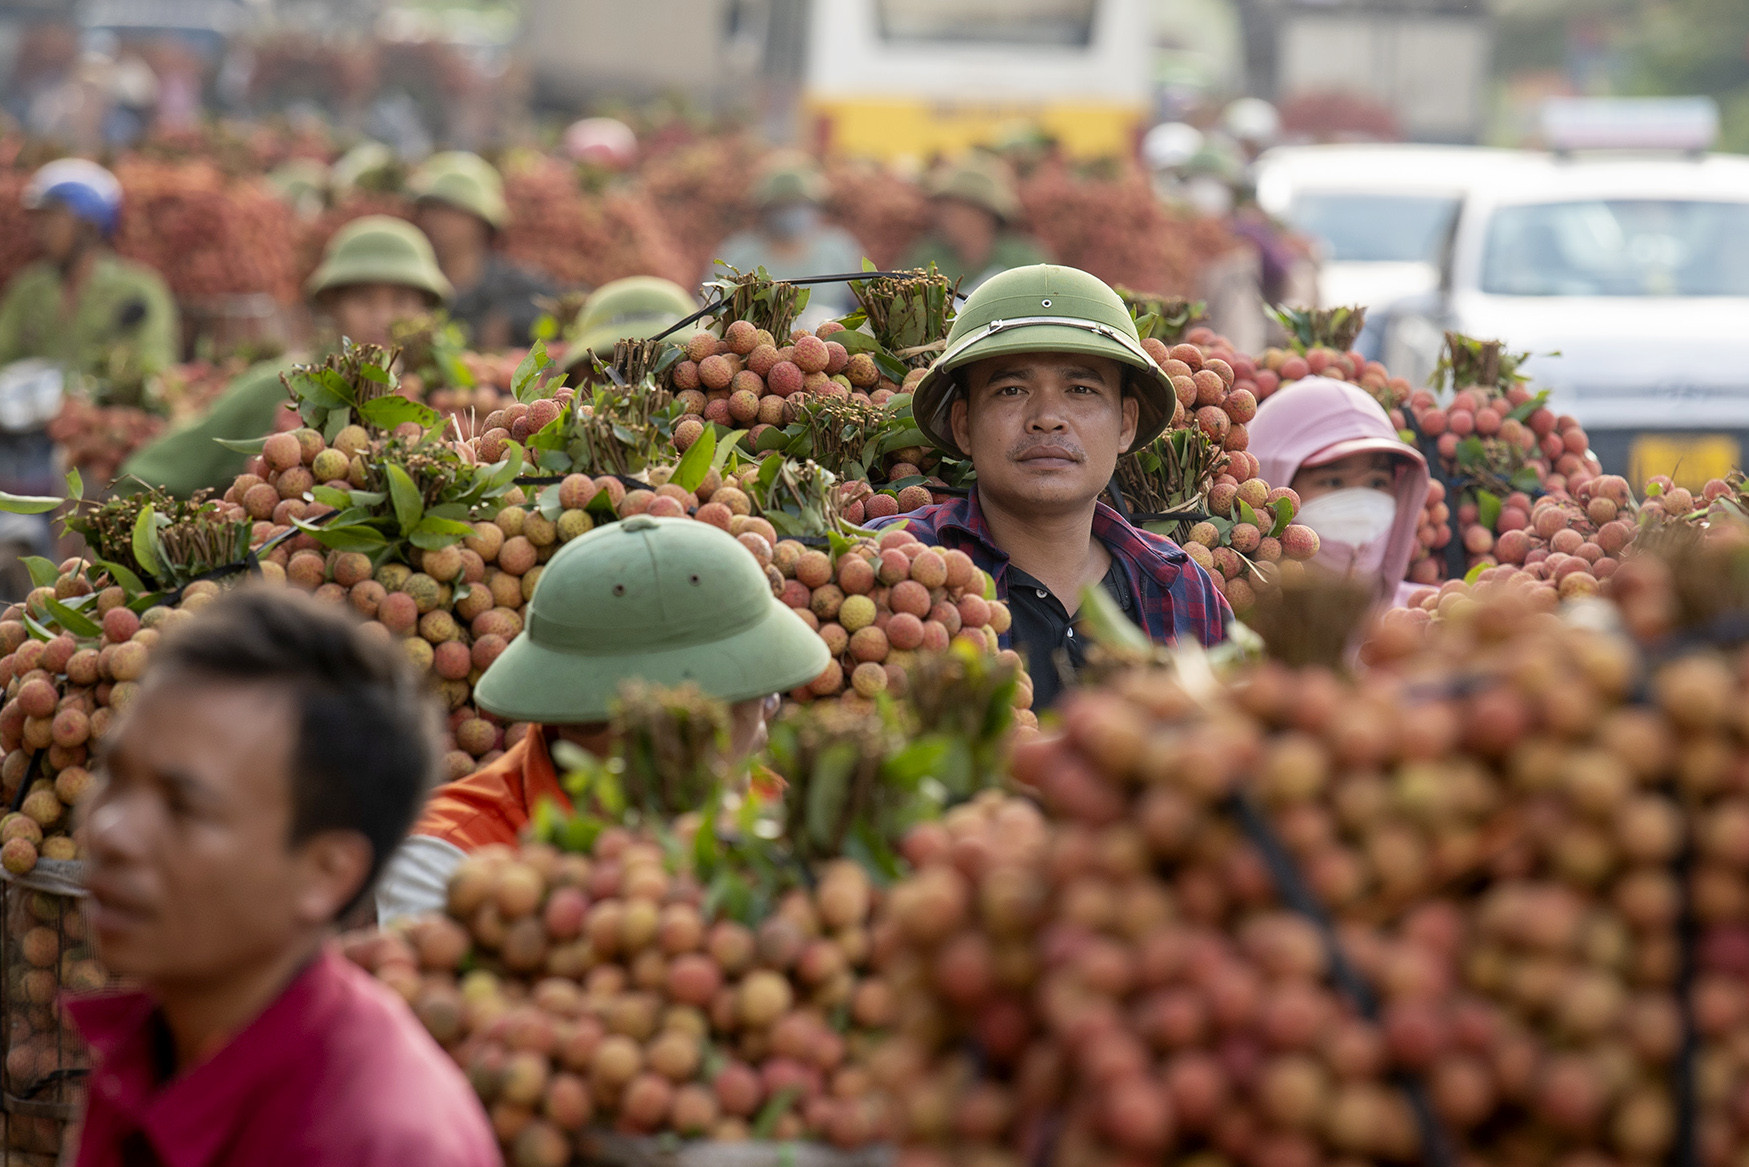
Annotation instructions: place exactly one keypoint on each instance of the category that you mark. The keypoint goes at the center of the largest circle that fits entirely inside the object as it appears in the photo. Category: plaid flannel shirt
(1175, 599)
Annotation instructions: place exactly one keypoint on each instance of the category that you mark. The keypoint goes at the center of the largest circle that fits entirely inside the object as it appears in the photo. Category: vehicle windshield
(1619, 247)
(1375, 228)
(1060, 23)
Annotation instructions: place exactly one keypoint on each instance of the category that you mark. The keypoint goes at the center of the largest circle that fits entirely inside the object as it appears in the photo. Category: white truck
(1627, 279)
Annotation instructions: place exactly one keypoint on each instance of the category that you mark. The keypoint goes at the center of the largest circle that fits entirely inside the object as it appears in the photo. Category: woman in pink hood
(1361, 488)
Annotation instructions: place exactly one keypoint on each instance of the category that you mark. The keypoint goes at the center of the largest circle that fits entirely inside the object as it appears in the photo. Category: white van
(1627, 279)
(1381, 211)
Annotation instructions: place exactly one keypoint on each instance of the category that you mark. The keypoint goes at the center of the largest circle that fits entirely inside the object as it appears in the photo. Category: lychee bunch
(61, 694)
(1252, 539)
(592, 993)
(882, 601)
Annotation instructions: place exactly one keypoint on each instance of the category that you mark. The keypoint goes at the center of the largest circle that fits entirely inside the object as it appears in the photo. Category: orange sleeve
(493, 804)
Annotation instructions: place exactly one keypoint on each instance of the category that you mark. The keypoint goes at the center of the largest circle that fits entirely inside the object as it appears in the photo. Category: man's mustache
(1056, 445)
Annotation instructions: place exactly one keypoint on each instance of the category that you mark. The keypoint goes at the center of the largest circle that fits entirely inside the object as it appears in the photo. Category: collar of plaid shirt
(1174, 597)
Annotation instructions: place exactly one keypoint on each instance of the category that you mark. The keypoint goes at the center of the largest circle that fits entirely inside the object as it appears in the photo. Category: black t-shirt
(1044, 633)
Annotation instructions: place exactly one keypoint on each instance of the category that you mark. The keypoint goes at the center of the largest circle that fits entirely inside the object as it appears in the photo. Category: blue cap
(85, 188)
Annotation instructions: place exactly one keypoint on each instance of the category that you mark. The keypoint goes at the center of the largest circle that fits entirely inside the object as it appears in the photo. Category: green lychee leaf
(36, 629)
(433, 533)
(726, 446)
(357, 537)
(547, 503)
(74, 622)
(1475, 573)
(1247, 514)
(127, 580)
(75, 483)
(1488, 509)
(28, 504)
(43, 572)
(1471, 452)
(242, 445)
(391, 410)
(145, 543)
(695, 464)
(1284, 514)
(332, 496)
(405, 496)
(525, 382)
(372, 373)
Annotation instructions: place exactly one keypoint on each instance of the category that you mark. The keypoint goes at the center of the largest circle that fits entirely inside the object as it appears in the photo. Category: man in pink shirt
(270, 764)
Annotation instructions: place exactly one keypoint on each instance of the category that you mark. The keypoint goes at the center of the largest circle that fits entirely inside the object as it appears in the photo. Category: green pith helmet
(1042, 308)
(302, 182)
(789, 177)
(464, 181)
(982, 181)
(380, 249)
(666, 601)
(635, 307)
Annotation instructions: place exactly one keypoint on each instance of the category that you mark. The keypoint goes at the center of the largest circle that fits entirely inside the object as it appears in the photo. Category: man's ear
(1132, 413)
(959, 421)
(335, 865)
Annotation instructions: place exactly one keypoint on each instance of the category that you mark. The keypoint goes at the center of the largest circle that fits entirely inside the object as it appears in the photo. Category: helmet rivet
(695, 581)
(619, 589)
(1044, 303)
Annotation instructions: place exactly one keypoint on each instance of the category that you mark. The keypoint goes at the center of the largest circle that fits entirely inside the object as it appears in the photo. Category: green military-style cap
(380, 249)
(982, 181)
(665, 601)
(1042, 308)
(788, 176)
(633, 308)
(464, 181)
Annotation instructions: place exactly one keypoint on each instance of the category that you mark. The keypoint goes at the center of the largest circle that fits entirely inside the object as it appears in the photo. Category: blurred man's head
(375, 271)
(367, 313)
(272, 761)
(453, 231)
(75, 204)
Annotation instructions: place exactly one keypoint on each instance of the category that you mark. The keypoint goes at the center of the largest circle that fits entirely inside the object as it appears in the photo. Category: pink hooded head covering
(1318, 420)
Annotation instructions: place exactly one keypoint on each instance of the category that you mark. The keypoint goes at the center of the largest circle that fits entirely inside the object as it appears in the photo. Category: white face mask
(1356, 516)
(1353, 526)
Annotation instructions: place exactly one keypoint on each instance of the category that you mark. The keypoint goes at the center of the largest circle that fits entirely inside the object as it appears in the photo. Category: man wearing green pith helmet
(376, 270)
(461, 209)
(633, 308)
(1043, 386)
(663, 601)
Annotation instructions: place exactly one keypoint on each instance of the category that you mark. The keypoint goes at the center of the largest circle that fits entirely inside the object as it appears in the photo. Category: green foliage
(907, 316)
(355, 385)
(1310, 328)
(1467, 361)
(152, 540)
(754, 296)
(1172, 473)
(419, 492)
(1163, 318)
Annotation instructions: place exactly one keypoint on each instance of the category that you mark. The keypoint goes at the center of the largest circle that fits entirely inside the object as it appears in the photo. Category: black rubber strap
(1437, 1148)
(712, 308)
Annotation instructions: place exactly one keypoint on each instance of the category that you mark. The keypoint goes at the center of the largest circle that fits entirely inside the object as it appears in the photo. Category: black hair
(367, 748)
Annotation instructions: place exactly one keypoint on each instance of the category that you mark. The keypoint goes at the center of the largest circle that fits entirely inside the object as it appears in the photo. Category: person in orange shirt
(664, 601)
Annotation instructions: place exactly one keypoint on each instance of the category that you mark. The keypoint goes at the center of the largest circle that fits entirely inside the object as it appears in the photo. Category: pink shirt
(337, 1070)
